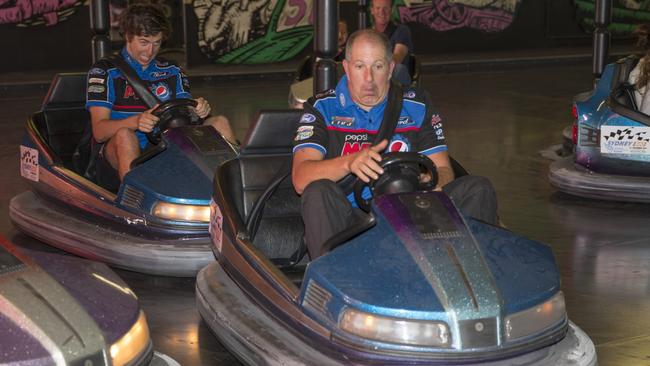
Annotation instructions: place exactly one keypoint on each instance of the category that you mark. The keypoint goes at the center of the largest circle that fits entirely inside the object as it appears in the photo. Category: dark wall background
(29, 43)
(65, 45)
(536, 24)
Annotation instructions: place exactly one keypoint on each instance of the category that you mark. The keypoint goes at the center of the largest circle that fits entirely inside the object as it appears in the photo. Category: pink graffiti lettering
(12, 12)
(442, 16)
(301, 6)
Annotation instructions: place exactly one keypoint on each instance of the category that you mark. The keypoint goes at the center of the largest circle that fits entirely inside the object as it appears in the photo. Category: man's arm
(399, 52)
(309, 166)
(104, 128)
(402, 39)
(443, 167)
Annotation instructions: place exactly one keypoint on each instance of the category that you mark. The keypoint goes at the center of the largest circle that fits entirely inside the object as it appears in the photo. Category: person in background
(640, 76)
(399, 36)
(343, 37)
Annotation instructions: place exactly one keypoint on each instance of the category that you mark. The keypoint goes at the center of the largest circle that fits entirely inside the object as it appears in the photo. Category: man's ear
(345, 66)
(392, 66)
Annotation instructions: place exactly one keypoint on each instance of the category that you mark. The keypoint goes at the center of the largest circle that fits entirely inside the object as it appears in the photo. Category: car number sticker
(29, 163)
(624, 140)
(216, 225)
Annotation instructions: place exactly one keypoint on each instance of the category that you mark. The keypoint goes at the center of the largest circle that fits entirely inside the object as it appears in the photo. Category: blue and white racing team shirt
(335, 125)
(107, 87)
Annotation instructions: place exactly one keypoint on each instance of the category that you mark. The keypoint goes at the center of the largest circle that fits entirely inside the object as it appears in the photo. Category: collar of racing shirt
(345, 102)
(135, 65)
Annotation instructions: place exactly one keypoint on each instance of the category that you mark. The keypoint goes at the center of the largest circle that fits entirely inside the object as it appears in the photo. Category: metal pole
(602, 19)
(325, 44)
(100, 27)
(362, 19)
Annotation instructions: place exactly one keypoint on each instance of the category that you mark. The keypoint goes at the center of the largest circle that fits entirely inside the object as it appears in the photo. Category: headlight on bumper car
(132, 344)
(536, 319)
(180, 212)
(395, 330)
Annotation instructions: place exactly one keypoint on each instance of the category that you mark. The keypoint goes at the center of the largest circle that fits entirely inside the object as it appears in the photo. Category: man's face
(144, 49)
(343, 34)
(368, 73)
(380, 11)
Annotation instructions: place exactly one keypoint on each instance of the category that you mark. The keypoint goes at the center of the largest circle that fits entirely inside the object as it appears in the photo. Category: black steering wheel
(172, 113)
(402, 172)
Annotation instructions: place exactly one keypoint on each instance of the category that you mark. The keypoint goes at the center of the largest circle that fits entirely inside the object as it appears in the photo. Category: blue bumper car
(611, 159)
(413, 282)
(62, 310)
(155, 221)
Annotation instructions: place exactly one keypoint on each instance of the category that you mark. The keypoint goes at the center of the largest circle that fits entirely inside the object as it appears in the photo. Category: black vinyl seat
(266, 155)
(63, 116)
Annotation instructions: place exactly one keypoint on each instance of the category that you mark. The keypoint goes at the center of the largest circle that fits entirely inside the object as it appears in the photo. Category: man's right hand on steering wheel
(365, 163)
(146, 121)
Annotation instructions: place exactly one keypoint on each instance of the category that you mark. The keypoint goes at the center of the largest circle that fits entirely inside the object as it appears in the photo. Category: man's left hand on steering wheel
(202, 108)
(166, 111)
(402, 173)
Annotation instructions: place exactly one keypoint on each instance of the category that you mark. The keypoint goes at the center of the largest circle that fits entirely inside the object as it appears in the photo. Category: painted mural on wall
(36, 12)
(626, 15)
(253, 31)
(445, 15)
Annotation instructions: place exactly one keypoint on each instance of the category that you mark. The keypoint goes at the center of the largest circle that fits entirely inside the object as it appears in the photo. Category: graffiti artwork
(626, 14)
(36, 12)
(253, 31)
(445, 15)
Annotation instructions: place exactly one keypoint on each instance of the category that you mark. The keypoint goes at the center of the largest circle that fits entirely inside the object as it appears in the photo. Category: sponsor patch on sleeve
(97, 71)
(305, 129)
(409, 94)
(96, 80)
(304, 135)
(307, 118)
(437, 127)
(96, 89)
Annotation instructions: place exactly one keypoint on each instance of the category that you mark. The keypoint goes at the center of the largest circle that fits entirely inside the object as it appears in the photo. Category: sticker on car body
(29, 163)
(625, 140)
(216, 225)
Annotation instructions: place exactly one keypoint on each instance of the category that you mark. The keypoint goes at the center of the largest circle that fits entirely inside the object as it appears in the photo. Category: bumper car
(61, 310)
(611, 142)
(412, 282)
(155, 221)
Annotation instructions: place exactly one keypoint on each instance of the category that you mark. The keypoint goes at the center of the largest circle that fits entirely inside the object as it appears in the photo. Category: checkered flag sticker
(626, 134)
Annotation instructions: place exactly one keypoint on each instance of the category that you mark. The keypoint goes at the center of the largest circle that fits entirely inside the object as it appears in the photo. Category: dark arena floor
(496, 122)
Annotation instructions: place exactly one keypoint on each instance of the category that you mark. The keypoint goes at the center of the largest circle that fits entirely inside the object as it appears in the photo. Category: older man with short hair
(335, 134)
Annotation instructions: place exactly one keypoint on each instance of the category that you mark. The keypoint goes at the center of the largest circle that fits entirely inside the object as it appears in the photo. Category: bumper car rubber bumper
(74, 234)
(568, 177)
(258, 339)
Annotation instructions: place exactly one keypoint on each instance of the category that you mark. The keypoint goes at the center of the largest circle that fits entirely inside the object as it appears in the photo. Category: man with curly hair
(119, 118)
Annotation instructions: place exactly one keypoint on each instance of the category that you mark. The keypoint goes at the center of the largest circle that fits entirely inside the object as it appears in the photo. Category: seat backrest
(272, 132)
(266, 150)
(63, 115)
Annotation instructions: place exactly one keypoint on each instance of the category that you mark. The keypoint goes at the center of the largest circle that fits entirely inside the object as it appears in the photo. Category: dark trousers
(327, 211)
